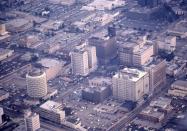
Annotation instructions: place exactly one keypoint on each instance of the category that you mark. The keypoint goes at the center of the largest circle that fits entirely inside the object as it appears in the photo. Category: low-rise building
(162, 104)
(167, 43)
(175, 69)
(152, 115)
(3, 95)
(5, 53)
(96, 94)
(100, 81)
(178, 88)
(52, 111)
(19, 25)
(51, 67)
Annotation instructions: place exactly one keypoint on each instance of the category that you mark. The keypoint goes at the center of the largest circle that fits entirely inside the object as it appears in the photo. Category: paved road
(124, 121)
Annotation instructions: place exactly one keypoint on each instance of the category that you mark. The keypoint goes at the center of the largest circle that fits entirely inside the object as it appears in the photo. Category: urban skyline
(93, 65)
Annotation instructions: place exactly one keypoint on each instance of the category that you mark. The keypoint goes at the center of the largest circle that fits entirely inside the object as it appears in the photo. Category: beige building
(51, 67)
(167, 43)
(32, 121)
(134, 53)
(157, 72)
(178, 88)
(36, 84)
(130, 84)
(83, 60)
(100, 81)
(52, 111)
(3, 30)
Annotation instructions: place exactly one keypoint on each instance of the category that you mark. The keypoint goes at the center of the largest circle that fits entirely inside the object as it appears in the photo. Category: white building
(130, 84)
(1, 114)
(83, 60)
(52, 111)
(36, 84)
(32, 121)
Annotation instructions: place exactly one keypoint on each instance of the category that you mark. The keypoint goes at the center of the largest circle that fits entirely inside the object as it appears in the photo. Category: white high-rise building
(3, 30)
(1, 114)
(32, 121)
(36, 84)
(83, 60)
(130, 84)
(92, 58)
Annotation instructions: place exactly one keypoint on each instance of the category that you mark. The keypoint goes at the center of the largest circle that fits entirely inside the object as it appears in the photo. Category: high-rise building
(1, 114)
(3, 29)
(32, 121)
(105, 43)
(92, 58)
(36, 84)
(157, 73)
(135, 54)
(130, 84)
(83, 60)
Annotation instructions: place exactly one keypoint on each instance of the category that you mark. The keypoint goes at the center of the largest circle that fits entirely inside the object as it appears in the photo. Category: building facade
(36, 84)
(83, 60)
(52, 111)
(32, 121)
(136, 54)
(157, 73)
(130, 84)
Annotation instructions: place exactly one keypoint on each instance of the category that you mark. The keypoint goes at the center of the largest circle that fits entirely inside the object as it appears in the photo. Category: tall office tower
(36, 84)
(3, 29)
(83, 60)
(157, 73)
(130, 84)
(92, 58)
(105, 43)
(32, 121)
(1, 114)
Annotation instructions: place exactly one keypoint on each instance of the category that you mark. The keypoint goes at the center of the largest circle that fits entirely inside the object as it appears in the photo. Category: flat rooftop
(52, 106)
(152, 112)
(4, 51)
(180, 83)
(46, 62)
(131, 74)
(16, 23)
(161, 102)
(93, 89)
(35, 72)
